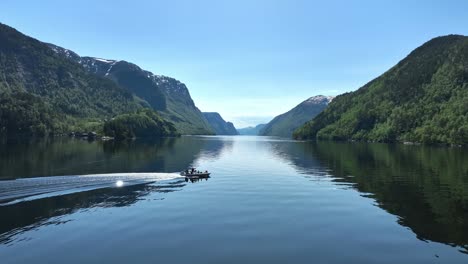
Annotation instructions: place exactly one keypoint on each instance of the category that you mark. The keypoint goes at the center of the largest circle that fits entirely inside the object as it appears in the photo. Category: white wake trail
(12, 191)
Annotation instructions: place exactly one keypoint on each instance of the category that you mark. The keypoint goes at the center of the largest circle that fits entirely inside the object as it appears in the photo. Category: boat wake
(26, 189)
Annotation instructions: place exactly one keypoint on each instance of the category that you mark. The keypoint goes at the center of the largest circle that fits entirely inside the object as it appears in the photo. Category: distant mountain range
(218, 124)
(284, 124)
(252, 131)
(424, 98)
(46, 89)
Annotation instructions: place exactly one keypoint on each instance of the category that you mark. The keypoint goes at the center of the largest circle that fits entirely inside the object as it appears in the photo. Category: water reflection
(64, 156)
(22, 217)
(256, 206)
(76, 157)
(194, 180)
(426, 187)
(214, 147)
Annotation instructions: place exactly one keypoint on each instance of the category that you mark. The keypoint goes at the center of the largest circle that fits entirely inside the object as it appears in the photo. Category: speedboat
(192, 173)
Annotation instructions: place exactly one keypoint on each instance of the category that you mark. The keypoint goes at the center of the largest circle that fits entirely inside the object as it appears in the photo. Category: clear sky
(248, 60)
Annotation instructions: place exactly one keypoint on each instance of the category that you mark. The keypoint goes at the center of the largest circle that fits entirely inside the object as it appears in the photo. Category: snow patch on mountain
(169, 85)
(110, 68)
(319, 99)
(105, 61)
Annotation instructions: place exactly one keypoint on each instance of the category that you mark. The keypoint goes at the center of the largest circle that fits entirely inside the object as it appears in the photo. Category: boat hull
(193, 175)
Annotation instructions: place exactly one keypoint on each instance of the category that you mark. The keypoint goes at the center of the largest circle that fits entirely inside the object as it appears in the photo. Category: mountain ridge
(170, 97)
(253, 131)
(284, 125)
(420, 99)
(46, 89)
(220, 126)
(70, 97)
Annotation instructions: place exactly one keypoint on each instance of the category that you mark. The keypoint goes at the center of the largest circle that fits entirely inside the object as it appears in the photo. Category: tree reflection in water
(426, 187)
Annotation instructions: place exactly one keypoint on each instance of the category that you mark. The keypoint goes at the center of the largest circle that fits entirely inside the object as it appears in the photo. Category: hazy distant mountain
(284, 124)
(218, 124)
(167, 95)
(424, 98)
(250, 130)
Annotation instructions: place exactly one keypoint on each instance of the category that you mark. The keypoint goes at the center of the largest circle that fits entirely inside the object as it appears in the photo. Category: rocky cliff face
(44, 92)
(220, 126)
(168, 96)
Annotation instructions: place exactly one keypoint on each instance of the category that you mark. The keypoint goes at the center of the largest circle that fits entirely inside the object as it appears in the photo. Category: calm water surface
(268, 201)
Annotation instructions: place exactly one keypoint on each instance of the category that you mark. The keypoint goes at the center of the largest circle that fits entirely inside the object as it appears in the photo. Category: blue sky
(248, 60)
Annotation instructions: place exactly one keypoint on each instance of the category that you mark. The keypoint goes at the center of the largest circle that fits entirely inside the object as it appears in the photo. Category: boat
(195, 175)
(192, 173)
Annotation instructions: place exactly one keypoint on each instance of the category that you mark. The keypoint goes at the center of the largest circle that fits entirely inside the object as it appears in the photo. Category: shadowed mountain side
(42, 92)
(168, 96)
(220, 126)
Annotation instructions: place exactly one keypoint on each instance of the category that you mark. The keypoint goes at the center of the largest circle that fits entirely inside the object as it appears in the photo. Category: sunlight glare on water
(119, 183)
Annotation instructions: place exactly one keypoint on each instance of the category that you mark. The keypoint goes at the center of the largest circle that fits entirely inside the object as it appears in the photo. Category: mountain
(421, 99)
(251, 130)
(144, 123)
(42, 92)
(220, 126)
(166, 95)
(285, 124)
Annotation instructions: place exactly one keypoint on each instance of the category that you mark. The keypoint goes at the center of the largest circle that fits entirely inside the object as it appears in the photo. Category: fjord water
(269, 200)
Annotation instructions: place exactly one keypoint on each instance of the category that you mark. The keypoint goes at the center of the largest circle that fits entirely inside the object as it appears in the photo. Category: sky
(248, 60)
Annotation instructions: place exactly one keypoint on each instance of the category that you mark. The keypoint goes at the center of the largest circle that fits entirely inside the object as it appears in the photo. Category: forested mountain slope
(424, 98)
(285, 124)
(168, 96)
(43, 92)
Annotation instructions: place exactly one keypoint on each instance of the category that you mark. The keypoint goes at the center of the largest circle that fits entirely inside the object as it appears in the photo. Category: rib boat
(194, 173)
